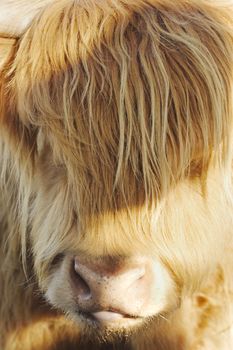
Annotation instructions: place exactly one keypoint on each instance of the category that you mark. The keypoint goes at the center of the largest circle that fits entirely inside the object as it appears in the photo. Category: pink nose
(110, 289)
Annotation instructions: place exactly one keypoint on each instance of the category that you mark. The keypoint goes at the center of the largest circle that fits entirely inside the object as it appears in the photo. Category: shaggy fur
(115, 140)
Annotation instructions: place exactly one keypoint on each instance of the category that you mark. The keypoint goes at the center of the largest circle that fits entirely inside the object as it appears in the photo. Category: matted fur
(116, 139)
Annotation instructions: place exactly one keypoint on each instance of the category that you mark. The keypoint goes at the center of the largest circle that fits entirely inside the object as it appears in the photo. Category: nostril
(82, 289)
(134, 276)
(141, 273)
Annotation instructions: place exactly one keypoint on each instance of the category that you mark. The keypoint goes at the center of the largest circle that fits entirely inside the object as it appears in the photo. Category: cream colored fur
(116, 139)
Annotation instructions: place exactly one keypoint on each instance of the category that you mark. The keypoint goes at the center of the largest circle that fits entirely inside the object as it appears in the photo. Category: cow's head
(118, 115)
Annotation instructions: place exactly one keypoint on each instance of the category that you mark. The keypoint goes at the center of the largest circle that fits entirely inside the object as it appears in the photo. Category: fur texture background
(116, 139)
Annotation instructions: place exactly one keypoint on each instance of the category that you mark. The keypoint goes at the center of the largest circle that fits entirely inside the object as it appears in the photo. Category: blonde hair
(128, 89)
(131, 97)
(111, 104)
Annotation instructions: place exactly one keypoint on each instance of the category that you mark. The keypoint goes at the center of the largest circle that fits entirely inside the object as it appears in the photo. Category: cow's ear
(19, 138)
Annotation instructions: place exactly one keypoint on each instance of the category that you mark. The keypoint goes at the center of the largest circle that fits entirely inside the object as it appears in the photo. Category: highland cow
(116, 120)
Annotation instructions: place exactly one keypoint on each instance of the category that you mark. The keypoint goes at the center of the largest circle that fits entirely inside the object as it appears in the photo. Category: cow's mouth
(107, 318)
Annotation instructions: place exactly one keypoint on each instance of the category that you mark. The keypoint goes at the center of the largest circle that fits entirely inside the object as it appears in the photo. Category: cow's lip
(108, 316)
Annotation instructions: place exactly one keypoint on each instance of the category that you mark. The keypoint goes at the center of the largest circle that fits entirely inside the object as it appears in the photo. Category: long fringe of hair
(131, 97)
